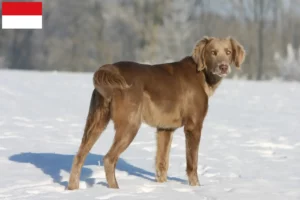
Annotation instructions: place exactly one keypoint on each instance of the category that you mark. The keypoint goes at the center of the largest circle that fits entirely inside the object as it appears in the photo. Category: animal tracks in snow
(271, 150)
(267, 145)
(111, 195)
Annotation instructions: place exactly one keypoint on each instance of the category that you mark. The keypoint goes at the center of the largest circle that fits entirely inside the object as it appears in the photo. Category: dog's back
(164, 90)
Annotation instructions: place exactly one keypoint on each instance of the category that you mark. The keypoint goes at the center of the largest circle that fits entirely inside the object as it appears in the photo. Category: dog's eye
(228, 52)
(214, 53)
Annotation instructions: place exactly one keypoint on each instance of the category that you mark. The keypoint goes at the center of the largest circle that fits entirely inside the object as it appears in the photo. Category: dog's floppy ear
(238, 53)
(198, 52)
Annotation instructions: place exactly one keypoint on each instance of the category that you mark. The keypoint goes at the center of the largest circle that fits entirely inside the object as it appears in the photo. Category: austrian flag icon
(22, 15)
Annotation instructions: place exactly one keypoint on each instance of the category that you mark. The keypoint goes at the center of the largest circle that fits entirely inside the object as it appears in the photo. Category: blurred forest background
(81, 35)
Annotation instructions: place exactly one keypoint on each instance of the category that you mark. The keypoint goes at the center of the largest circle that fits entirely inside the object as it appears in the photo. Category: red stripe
(22, 8)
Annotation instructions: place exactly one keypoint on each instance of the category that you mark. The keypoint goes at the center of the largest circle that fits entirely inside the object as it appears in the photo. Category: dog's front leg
(164, 140)
(192, 139)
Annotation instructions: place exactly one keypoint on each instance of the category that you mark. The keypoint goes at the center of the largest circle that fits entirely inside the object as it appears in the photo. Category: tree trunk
(260, 40)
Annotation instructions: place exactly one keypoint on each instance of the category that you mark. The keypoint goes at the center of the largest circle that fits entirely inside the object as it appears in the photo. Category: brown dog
(166, 96)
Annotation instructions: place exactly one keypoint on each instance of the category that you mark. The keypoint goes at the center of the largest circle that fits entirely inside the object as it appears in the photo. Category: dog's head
(216, 55)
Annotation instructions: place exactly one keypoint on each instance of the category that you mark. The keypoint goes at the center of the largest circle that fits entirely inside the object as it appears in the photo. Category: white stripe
(22, 22)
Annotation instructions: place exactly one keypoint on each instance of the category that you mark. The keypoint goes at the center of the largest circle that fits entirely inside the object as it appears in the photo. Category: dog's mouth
(222, 70)
(221, 74)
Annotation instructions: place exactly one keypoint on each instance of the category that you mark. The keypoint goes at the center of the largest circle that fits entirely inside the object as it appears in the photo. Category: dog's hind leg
(164, 140)
(126, 114)
(124, 136)
(97, 120)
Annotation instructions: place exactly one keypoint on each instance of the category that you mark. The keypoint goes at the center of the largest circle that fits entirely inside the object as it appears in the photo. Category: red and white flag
(22, 15)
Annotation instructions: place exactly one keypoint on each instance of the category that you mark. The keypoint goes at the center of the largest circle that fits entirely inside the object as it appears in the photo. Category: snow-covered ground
(250, 147)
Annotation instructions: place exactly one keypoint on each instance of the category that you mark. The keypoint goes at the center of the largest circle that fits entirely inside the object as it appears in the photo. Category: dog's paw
(72, 187)
(193, 181)
(161, 179)
(194, 184)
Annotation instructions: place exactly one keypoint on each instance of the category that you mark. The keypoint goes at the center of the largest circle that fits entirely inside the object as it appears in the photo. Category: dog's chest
(162, 113)
(208, 90)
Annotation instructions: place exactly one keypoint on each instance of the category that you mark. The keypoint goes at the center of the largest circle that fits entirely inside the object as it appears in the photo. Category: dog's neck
(212, 81)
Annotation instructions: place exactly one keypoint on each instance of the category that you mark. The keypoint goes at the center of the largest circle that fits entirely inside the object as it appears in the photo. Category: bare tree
(259, 15)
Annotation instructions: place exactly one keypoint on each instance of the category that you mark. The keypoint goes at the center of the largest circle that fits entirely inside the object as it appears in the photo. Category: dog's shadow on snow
(52, 164)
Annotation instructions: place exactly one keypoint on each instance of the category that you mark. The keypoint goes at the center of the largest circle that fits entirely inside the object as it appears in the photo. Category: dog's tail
(97, 120)
(108, 78)
(98, 116)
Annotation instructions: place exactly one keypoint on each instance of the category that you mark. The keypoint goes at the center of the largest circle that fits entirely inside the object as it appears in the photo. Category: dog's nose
(223, 68)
